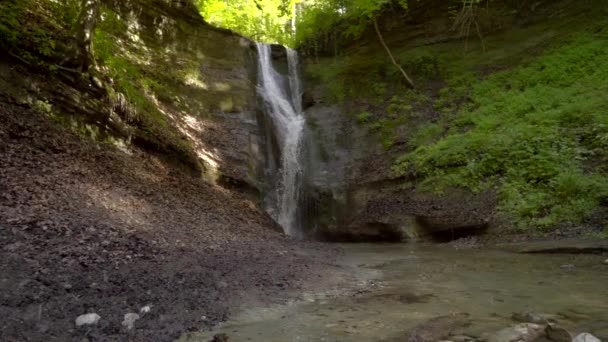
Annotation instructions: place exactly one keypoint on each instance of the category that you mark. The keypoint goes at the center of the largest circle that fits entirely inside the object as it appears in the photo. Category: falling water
(282, 99)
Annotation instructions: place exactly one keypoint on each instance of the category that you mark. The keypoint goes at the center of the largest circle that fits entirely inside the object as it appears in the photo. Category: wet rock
(87, 319)
(566, 246)
(220, 338)
(438, 328)
(557, 334)
(524, 332)
(606, 262)
(533, 317)
(586, 337)
(308, 100)
(567, 266)
(278, 52)
(363, 232)
(129, 320)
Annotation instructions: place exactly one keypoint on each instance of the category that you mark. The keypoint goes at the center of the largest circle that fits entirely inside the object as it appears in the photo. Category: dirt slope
(89, 228)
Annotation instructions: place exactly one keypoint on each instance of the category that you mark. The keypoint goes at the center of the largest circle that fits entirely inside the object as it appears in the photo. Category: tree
(262, 20)
(87, 20)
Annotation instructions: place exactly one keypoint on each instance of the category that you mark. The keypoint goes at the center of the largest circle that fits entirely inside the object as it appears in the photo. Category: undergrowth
(538, 134)
(35, 31)
(527, 118)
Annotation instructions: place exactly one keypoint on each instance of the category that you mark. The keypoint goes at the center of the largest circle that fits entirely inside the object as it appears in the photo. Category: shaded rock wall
(191, 89)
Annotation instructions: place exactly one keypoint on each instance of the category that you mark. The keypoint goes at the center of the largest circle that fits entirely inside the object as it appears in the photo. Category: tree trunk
(390, 54)
(87, 20)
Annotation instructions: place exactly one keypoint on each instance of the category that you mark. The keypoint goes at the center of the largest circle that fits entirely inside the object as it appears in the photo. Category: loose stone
(87, 319)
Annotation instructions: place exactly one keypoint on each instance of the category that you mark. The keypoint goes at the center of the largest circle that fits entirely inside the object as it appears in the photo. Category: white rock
(606, 261)
(144, 310)
(129, 320)
(87, 319)
(524, 332)
(586, 337)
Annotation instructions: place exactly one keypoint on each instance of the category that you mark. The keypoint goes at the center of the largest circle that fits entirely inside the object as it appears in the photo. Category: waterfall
(283, 104)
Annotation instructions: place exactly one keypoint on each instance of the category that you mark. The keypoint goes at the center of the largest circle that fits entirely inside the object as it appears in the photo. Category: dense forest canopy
(262, 20)
(293, 22)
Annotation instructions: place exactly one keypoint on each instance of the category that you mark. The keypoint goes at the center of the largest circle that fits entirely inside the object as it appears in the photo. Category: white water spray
(283, 104)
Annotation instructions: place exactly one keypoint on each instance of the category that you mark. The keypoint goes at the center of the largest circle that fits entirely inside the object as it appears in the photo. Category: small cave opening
(442, 233)
(373, 232)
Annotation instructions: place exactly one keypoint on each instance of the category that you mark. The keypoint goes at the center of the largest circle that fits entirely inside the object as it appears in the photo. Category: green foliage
(129, 80)
(386, 129)
(263, 20)
(319, 17)
(364, 117)
(33, 30)
(538, 133)
(331, 76)
(406, 104)
(456, 93)
(600, 235)
(426, 135)
(43, 106)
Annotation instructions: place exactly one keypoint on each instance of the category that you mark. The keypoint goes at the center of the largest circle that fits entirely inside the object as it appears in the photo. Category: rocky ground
(87, 228)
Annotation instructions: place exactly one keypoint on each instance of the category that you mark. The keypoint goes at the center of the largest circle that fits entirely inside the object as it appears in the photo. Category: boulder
(586, 337)
(557, 334)
(524, 332)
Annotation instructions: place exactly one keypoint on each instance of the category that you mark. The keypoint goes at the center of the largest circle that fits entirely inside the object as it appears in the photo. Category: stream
(390, 289)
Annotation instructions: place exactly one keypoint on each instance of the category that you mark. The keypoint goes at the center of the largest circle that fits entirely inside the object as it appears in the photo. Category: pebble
(87, 319)
(567, 266)
(606, 262)
(586, 337)
(129, 320)
(144, 310)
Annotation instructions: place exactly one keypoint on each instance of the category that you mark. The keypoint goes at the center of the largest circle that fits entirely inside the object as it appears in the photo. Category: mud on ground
(88, 228)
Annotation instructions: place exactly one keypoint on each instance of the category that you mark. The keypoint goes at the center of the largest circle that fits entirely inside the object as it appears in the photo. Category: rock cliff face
(180, 88)
(177, 87)
(352, 195)
(362, 118)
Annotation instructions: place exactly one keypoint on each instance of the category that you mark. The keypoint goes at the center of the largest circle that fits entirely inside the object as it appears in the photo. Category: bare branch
(390, 54)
